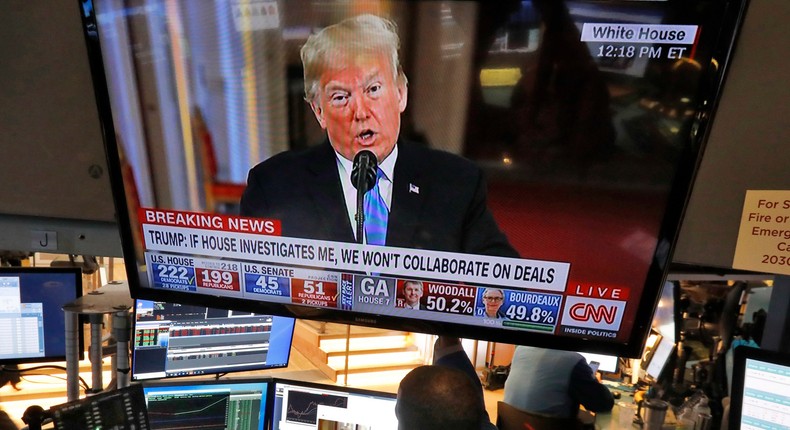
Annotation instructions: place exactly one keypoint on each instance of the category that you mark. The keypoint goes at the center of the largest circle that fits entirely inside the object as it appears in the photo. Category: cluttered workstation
(694, 374)
(688, 369)
(687, 377)
(394, 215)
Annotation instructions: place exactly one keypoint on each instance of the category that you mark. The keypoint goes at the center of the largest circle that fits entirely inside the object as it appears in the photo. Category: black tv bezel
(77, 273)
(740, 355)
(677, 199)
(319, 386)
(132, 355)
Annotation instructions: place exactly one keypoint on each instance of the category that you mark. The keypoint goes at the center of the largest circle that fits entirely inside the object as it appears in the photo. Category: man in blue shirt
(554, 383)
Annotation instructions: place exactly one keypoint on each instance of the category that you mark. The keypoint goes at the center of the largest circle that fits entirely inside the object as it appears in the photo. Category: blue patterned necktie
(376, 214)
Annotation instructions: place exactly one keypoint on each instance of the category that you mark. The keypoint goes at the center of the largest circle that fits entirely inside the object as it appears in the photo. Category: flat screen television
(172, 340)
(208, 404)
(32, 322)
(305, 405)
(760, 383)
(534, 169)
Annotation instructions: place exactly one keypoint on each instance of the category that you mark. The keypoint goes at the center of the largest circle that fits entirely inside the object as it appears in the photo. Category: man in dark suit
(445, 395)
(357, 91)
(412, 292)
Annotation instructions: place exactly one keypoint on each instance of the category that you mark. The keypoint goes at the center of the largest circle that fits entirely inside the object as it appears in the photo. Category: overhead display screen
(510, 170)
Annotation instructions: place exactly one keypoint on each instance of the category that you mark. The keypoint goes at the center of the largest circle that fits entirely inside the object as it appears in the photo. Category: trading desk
(611, 420)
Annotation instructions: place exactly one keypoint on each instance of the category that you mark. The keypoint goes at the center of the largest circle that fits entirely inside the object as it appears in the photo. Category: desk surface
(610, 420)
(618, 386)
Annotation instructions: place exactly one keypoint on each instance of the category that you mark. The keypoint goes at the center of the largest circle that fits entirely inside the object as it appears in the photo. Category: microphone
(365, 163)
(363, 177)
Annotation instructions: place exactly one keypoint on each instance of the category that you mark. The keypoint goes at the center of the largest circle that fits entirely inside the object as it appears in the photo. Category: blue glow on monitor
(237, 405)
(32, 321)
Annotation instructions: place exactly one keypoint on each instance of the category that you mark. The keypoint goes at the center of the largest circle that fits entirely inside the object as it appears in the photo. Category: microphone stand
(363, 177)
(360, 184)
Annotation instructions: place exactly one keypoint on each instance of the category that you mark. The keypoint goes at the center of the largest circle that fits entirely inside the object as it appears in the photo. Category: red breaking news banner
(209, 221)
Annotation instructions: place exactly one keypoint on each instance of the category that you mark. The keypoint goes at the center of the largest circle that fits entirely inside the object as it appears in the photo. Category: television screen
(303, 405)
(521, 166)
(212, 404)
(181, 340)
(32, 322)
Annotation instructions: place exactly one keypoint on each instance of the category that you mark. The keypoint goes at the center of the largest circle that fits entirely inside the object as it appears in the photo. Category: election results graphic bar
(235, 240)
(518, 309)
(245, 258)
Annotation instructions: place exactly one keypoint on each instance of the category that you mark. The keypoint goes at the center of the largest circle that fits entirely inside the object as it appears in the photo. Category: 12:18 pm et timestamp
(643, 51)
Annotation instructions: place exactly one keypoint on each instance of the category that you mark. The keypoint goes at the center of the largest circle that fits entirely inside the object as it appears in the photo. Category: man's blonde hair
(360, 35)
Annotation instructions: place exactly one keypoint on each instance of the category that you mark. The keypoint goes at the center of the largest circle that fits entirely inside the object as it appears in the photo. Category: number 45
(267, 282)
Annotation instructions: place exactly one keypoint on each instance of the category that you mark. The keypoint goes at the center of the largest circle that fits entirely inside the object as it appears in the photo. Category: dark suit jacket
(459, 360)
(302, 189)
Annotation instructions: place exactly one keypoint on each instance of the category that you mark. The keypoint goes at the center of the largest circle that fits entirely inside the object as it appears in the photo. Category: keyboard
(618, 386)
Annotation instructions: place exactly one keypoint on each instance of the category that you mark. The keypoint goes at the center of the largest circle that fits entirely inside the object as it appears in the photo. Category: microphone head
(365, 165)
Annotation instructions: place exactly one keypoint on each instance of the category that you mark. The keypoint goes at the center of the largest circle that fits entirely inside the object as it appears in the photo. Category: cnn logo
(593, 313)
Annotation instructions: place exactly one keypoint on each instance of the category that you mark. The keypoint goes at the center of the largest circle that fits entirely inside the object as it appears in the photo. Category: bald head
(437, 398)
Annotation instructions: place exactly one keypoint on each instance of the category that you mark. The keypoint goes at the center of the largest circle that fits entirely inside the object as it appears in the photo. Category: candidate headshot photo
(493, 299)
(421, 197)
(412, 292)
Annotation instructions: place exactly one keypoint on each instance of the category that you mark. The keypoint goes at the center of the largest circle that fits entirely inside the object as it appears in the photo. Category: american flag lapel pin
(414, 189)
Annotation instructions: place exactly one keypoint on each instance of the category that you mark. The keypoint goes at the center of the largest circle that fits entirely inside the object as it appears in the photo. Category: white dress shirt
(344, 168)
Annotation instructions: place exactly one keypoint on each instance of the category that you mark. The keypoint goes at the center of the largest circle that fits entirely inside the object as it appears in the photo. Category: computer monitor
(119, 409)
(32, 321)
(307, 406)
(172, 340)
(666, 314)
(209, 404)
(660, 344)
(545, 153)
(607, 363)
(661, 354)
(760, 387)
